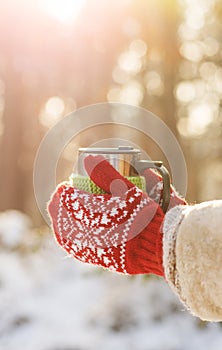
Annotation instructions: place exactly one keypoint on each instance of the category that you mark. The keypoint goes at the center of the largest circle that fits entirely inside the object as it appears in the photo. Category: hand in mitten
(119, 230)
(126, 231)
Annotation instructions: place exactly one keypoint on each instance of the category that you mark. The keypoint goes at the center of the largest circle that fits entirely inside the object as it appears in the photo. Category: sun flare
(63, 10)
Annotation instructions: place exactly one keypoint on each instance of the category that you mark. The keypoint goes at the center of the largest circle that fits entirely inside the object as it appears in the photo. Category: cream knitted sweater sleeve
(192, 257)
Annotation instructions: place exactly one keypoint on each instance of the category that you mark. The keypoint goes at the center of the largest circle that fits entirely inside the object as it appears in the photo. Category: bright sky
(62, 10)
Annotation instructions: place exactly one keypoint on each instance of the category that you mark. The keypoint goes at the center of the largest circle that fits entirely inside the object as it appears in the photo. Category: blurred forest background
(57, 56)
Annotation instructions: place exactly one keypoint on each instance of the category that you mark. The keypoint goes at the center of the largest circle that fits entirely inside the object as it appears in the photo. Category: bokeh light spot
(154, 83)
(52, 111)
(200, 116)
(54, 105)
(139, 47)
(211, 46)
(195, 18)
(185, 91)
(120, 76)
(192, 50)
(130, 62)
(208, 70)
(132, 93)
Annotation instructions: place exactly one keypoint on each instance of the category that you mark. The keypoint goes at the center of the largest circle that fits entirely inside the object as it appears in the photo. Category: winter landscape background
(55, 57)
(51, 302)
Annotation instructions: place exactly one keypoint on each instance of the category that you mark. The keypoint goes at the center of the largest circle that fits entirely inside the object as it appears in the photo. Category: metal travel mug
(127, 161)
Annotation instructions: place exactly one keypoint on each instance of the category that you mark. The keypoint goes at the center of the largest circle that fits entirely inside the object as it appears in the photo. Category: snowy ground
(49, 302)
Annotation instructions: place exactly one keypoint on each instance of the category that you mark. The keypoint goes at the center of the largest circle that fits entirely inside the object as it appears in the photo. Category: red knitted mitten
(120, 230)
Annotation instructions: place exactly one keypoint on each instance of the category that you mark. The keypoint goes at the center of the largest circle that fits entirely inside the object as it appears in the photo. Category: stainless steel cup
(127, 161)
(122, 158)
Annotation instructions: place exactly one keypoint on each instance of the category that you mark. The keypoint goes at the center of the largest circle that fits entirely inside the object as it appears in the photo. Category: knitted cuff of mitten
(145, 252)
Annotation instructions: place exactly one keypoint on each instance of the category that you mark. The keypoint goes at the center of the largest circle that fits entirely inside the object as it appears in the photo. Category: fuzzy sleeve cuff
(192, 257)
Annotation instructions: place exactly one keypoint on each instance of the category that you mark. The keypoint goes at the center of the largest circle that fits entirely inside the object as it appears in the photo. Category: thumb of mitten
(104, 175)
